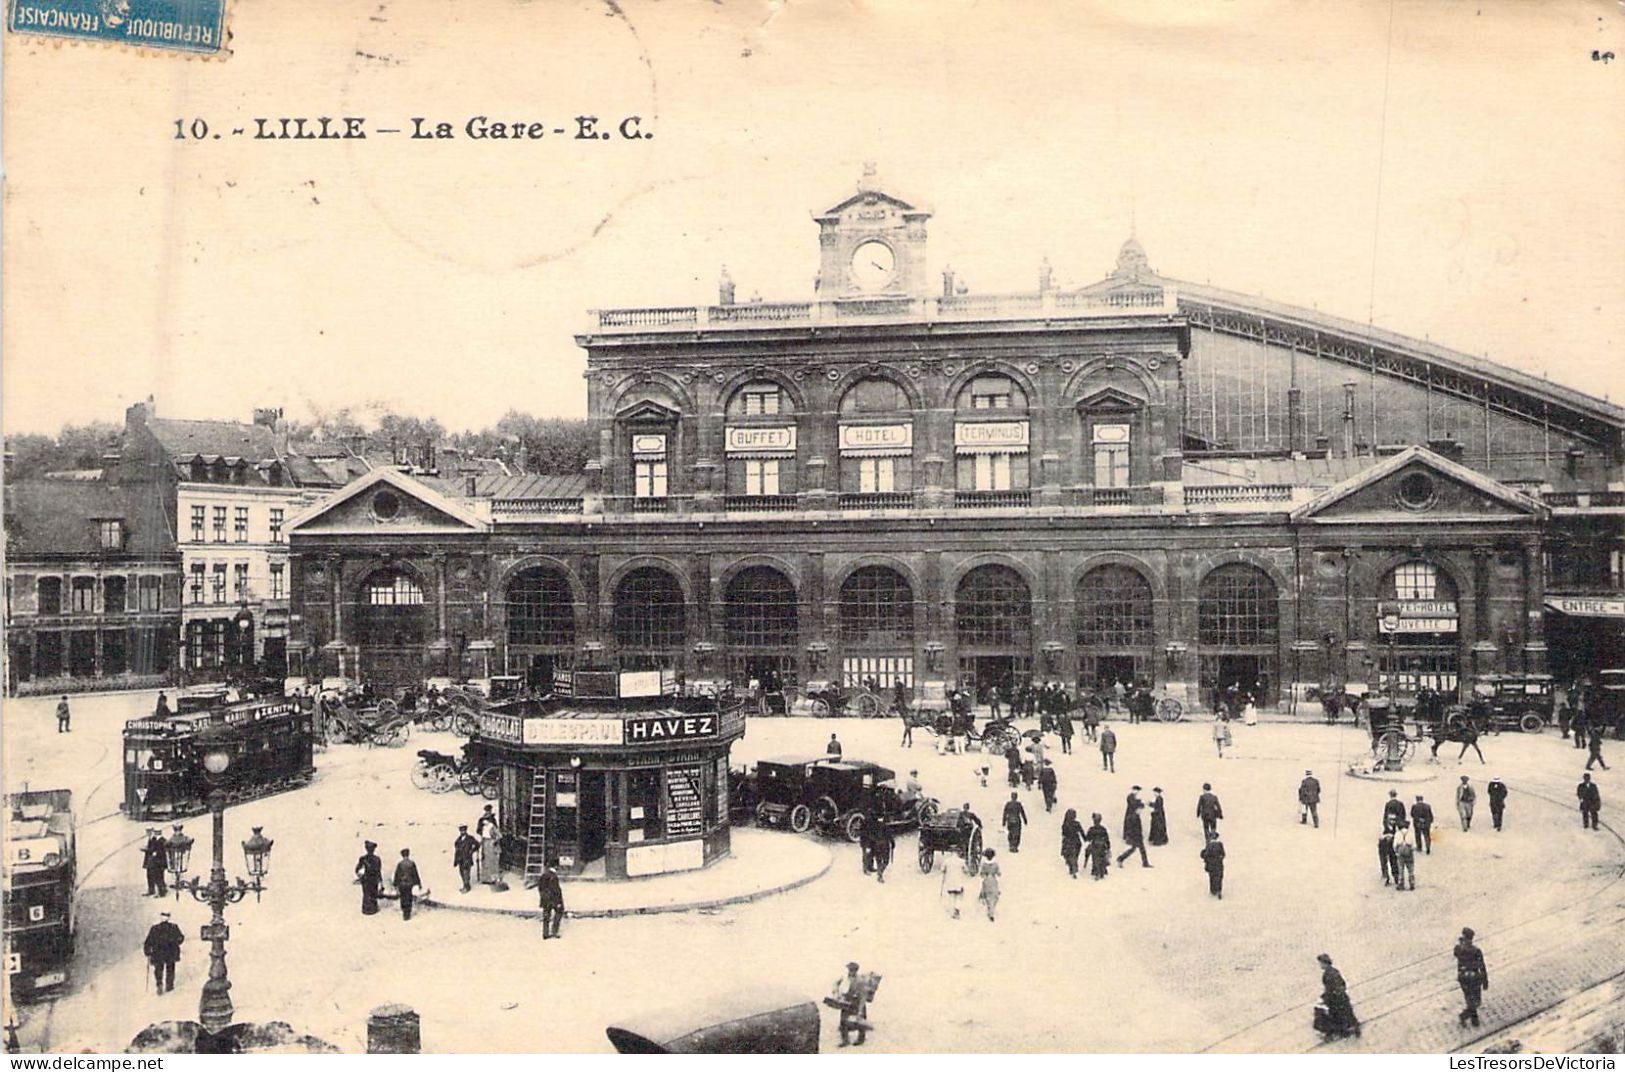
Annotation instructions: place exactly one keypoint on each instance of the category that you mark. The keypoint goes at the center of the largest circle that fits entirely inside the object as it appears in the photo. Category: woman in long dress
(1071, 840)
(1159, 819)
(990, 883)
(953, 884)
(370, 870)
(1339, 1020)
(490, 856)
(1100, 847)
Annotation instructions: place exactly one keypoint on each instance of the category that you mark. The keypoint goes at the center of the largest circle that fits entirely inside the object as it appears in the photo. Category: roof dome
(1131, 260)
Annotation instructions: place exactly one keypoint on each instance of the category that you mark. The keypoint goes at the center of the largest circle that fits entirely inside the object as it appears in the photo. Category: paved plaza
(1145, 960)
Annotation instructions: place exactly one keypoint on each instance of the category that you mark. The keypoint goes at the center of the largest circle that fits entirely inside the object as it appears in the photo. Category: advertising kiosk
(614, 775)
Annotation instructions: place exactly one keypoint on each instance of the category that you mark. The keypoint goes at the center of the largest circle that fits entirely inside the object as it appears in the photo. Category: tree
(77, 446)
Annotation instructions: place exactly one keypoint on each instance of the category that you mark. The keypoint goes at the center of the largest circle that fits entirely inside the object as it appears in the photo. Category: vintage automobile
(1506, 701)
(779, 786)
(844, 793)
(1608, 700)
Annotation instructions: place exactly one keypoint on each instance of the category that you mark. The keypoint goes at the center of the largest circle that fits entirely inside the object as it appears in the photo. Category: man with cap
(163, 949)
(1209, 810)
(1015, 817)
(1309, 799)
(1048, 783)
(1471, 975)
(1590, 802)
(1133, 831)
(462, 854)
(64, 716)
(1108, 748)
(1213, 863)
(1422, 817)
(851, 996)
(370, 870)
(1466, 797)
(406, 882)
(1497, 792)
(1393, 812)
(1404, 862)
(153, 858)
(1386, 855)
(551, 893)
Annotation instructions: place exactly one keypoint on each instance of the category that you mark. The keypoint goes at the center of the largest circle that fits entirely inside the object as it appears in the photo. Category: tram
(39, 881)
(271, 742)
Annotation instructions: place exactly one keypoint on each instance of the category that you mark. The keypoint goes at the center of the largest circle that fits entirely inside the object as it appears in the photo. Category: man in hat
(851, 996)
(551, 893)
(833, 749)
(163, 949)
(370, 870)
(1466, 797)
(1386, 856)
(1422, 817)
(1497, 792)
(1404, 862)
(1213, 863)
(1590, 802)
(1015, 817)
(154, 856)
(1209, 810)
(462, 854)
(1048, 783)
(1471, 975)
(406, 882)
(1393, 811)
(63, 716)
(1309, 799)
(1133, 831)
(1108, 748)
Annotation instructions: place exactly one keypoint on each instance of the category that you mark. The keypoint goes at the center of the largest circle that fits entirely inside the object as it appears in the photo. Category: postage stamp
(195, 26)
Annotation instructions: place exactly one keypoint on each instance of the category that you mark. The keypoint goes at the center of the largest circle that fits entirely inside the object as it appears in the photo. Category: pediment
(1110, 398)
(388, 502)
(648, 412)
(1418, 485)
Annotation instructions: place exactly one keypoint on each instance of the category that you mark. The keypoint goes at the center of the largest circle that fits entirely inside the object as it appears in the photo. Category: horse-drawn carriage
(1162, 708)
(822, 699)
(996, 736)
(952, 832)
(354, 719)
(439, 772)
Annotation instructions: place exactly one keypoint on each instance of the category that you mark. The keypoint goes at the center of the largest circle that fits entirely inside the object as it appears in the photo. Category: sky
(1446, 170)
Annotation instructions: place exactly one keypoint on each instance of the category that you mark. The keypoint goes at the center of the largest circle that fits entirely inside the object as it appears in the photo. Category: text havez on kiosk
(614, 775)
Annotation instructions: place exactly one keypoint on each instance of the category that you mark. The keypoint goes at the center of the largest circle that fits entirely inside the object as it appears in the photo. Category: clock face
(873, 265)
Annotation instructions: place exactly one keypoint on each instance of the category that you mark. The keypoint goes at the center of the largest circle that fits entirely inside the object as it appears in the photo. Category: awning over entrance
(1588, 606)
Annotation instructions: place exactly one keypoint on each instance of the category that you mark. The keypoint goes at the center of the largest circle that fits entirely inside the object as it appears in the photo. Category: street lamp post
(214, 1008)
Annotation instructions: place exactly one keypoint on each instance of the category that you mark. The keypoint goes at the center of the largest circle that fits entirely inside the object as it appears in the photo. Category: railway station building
(897, 480)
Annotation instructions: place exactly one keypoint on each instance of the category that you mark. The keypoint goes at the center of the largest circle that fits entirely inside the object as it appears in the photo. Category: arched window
(541, 609)
(1238, 629)
(390, 626)
(649, 612)
(991, 392)
(1115, 626)
(760, 609)
(877, 627)
(877, 444)
(993, 620)
(874, 397)
(760, 398)
(1417, 623)
(393, 589)
(760, 443)
(991, 442)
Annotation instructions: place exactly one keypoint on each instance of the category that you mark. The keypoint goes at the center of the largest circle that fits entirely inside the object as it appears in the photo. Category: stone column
(1534, 608)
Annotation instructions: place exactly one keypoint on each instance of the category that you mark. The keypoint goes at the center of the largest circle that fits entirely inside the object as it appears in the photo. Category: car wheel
(1531, 722)
(854, 827)
(764, 817)
(927, 858)
(801, 818)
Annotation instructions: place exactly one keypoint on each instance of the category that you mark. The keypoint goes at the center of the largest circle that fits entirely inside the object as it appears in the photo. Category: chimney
(355, 443)
(1348, 420)
(138, 415)
(948, 282)
(470, 485)
(267, 416)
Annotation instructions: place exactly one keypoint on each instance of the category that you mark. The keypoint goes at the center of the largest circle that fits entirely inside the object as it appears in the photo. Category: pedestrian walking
(1594, 743)
(1563, 717)
(1108, 750)
(1334, 1017)
(1048, 784)
(1015, 817)
(1063, 727)
(370, 871)
(1209, 810)
(64, 716)
(884, 842)
(908, 728)
(550, 893)
(163, 951)
(463, 851)
(406, 882)
(1578, 723)
(1466, 797)
(154, 857)
(990, 883)
(1422, 819)
(834, 747)
(1590, 802)
(993, 708)
(1309, 799)
(1221, 734)
(1133, 832)
(1385, 855)
(1404, 862)
(1159, 818)
(1393, 811)
(851, 997)
(1098, 847)
(1091, 725)
(1212, 855)
(1039, 751)
(1071, 840)
(1012, 762)
(1471, 975)
(952, 887)
(1496, 791)
(900, 698)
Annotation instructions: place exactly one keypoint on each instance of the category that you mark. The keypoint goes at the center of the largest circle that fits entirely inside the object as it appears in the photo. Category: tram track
(1589, 916)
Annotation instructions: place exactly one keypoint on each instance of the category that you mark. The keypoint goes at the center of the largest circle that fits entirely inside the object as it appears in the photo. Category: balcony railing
(1050, 304)
(1584, 498)
(536, 506)
(758, 503)
(875, 500)
(983, 500)
(1219, 494)
(649, 504)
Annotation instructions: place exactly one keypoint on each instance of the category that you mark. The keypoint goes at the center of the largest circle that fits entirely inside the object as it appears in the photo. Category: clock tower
(872, 243)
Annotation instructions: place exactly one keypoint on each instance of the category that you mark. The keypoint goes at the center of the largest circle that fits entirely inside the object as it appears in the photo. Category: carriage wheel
(388, 708)
(491, 783)
(463, 725)
(869, 705)
(441, 721)
(1003, 740)
(817, 707)
(927, 858)
(854, 827)
(1170, 710)
(337, 733)
(801, 818)
(1409, 749)
(927, 810)
(469, 780)
(1531, 722)
(422, 775)
(973, 852)
(443, 778)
